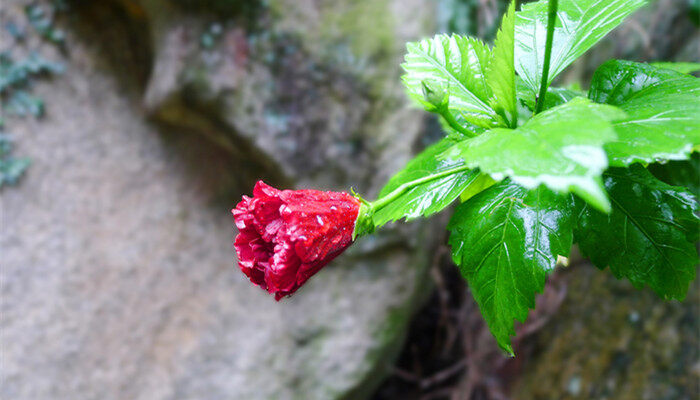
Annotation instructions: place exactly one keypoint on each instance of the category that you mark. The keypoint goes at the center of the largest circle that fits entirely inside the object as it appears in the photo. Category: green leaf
(11, 168)
(505, 240)
(455, 134)
(457, 65)
(36, 64)
(561, 148)
(10, 73)
(682, 67)
(500, 74)
(663, 108)
(481, 183)
(16, 74)
(43, 23)
(649, 236)
(684, 173)
(555, 96)
(22, 103)
(579, 25)
(429, 197)
(615, 81)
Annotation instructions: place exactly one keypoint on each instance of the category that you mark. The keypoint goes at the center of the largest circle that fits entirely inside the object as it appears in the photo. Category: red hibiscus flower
(286, 236)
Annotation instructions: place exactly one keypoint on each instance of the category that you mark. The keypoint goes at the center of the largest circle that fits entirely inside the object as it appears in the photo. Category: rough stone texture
(612, 341)
(317, 97)
(118, 277)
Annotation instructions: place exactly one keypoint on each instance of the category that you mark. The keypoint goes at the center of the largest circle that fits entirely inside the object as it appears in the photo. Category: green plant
(536, 168)
(17, 78)
(539, 168)
(42, 20)
(11, 168)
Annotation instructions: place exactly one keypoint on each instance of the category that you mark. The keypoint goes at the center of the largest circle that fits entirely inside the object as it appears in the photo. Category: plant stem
(383, 201)
(450, 119)
(551, 19)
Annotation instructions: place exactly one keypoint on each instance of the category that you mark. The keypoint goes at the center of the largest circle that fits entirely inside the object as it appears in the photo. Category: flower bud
(286, 236)
(436, 94)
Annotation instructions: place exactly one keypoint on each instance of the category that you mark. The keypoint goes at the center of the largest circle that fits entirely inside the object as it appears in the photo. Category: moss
(366, 26)
(611, 341)
(358, 37)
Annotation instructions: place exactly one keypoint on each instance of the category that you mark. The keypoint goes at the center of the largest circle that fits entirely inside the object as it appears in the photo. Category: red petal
(286, 236)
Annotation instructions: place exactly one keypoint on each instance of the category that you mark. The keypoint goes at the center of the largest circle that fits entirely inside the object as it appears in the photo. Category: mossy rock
(612, 341)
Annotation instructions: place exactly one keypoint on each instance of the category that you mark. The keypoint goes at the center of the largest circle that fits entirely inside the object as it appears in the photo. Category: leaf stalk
(394, 194)
(452, 121)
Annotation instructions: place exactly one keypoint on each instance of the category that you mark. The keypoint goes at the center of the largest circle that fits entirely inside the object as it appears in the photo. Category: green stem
(551, 19)
(383, 201)
(450, 119)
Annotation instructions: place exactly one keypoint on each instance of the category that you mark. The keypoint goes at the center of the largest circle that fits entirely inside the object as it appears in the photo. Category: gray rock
(118, 278)
(610, 340)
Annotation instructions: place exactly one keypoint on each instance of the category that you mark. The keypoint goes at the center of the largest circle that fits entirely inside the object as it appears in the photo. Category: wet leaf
(615, 81)
(580, 24)
(500, 74)
(555, 96)
(430, 197)
(682, 67)
(648, 237)
(561, 148)
(457, 65)
(662, 106)
(684, 173)
(505, 241)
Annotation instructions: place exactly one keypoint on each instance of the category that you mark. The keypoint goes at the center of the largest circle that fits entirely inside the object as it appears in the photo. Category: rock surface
(612, 341)
(118, 279)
